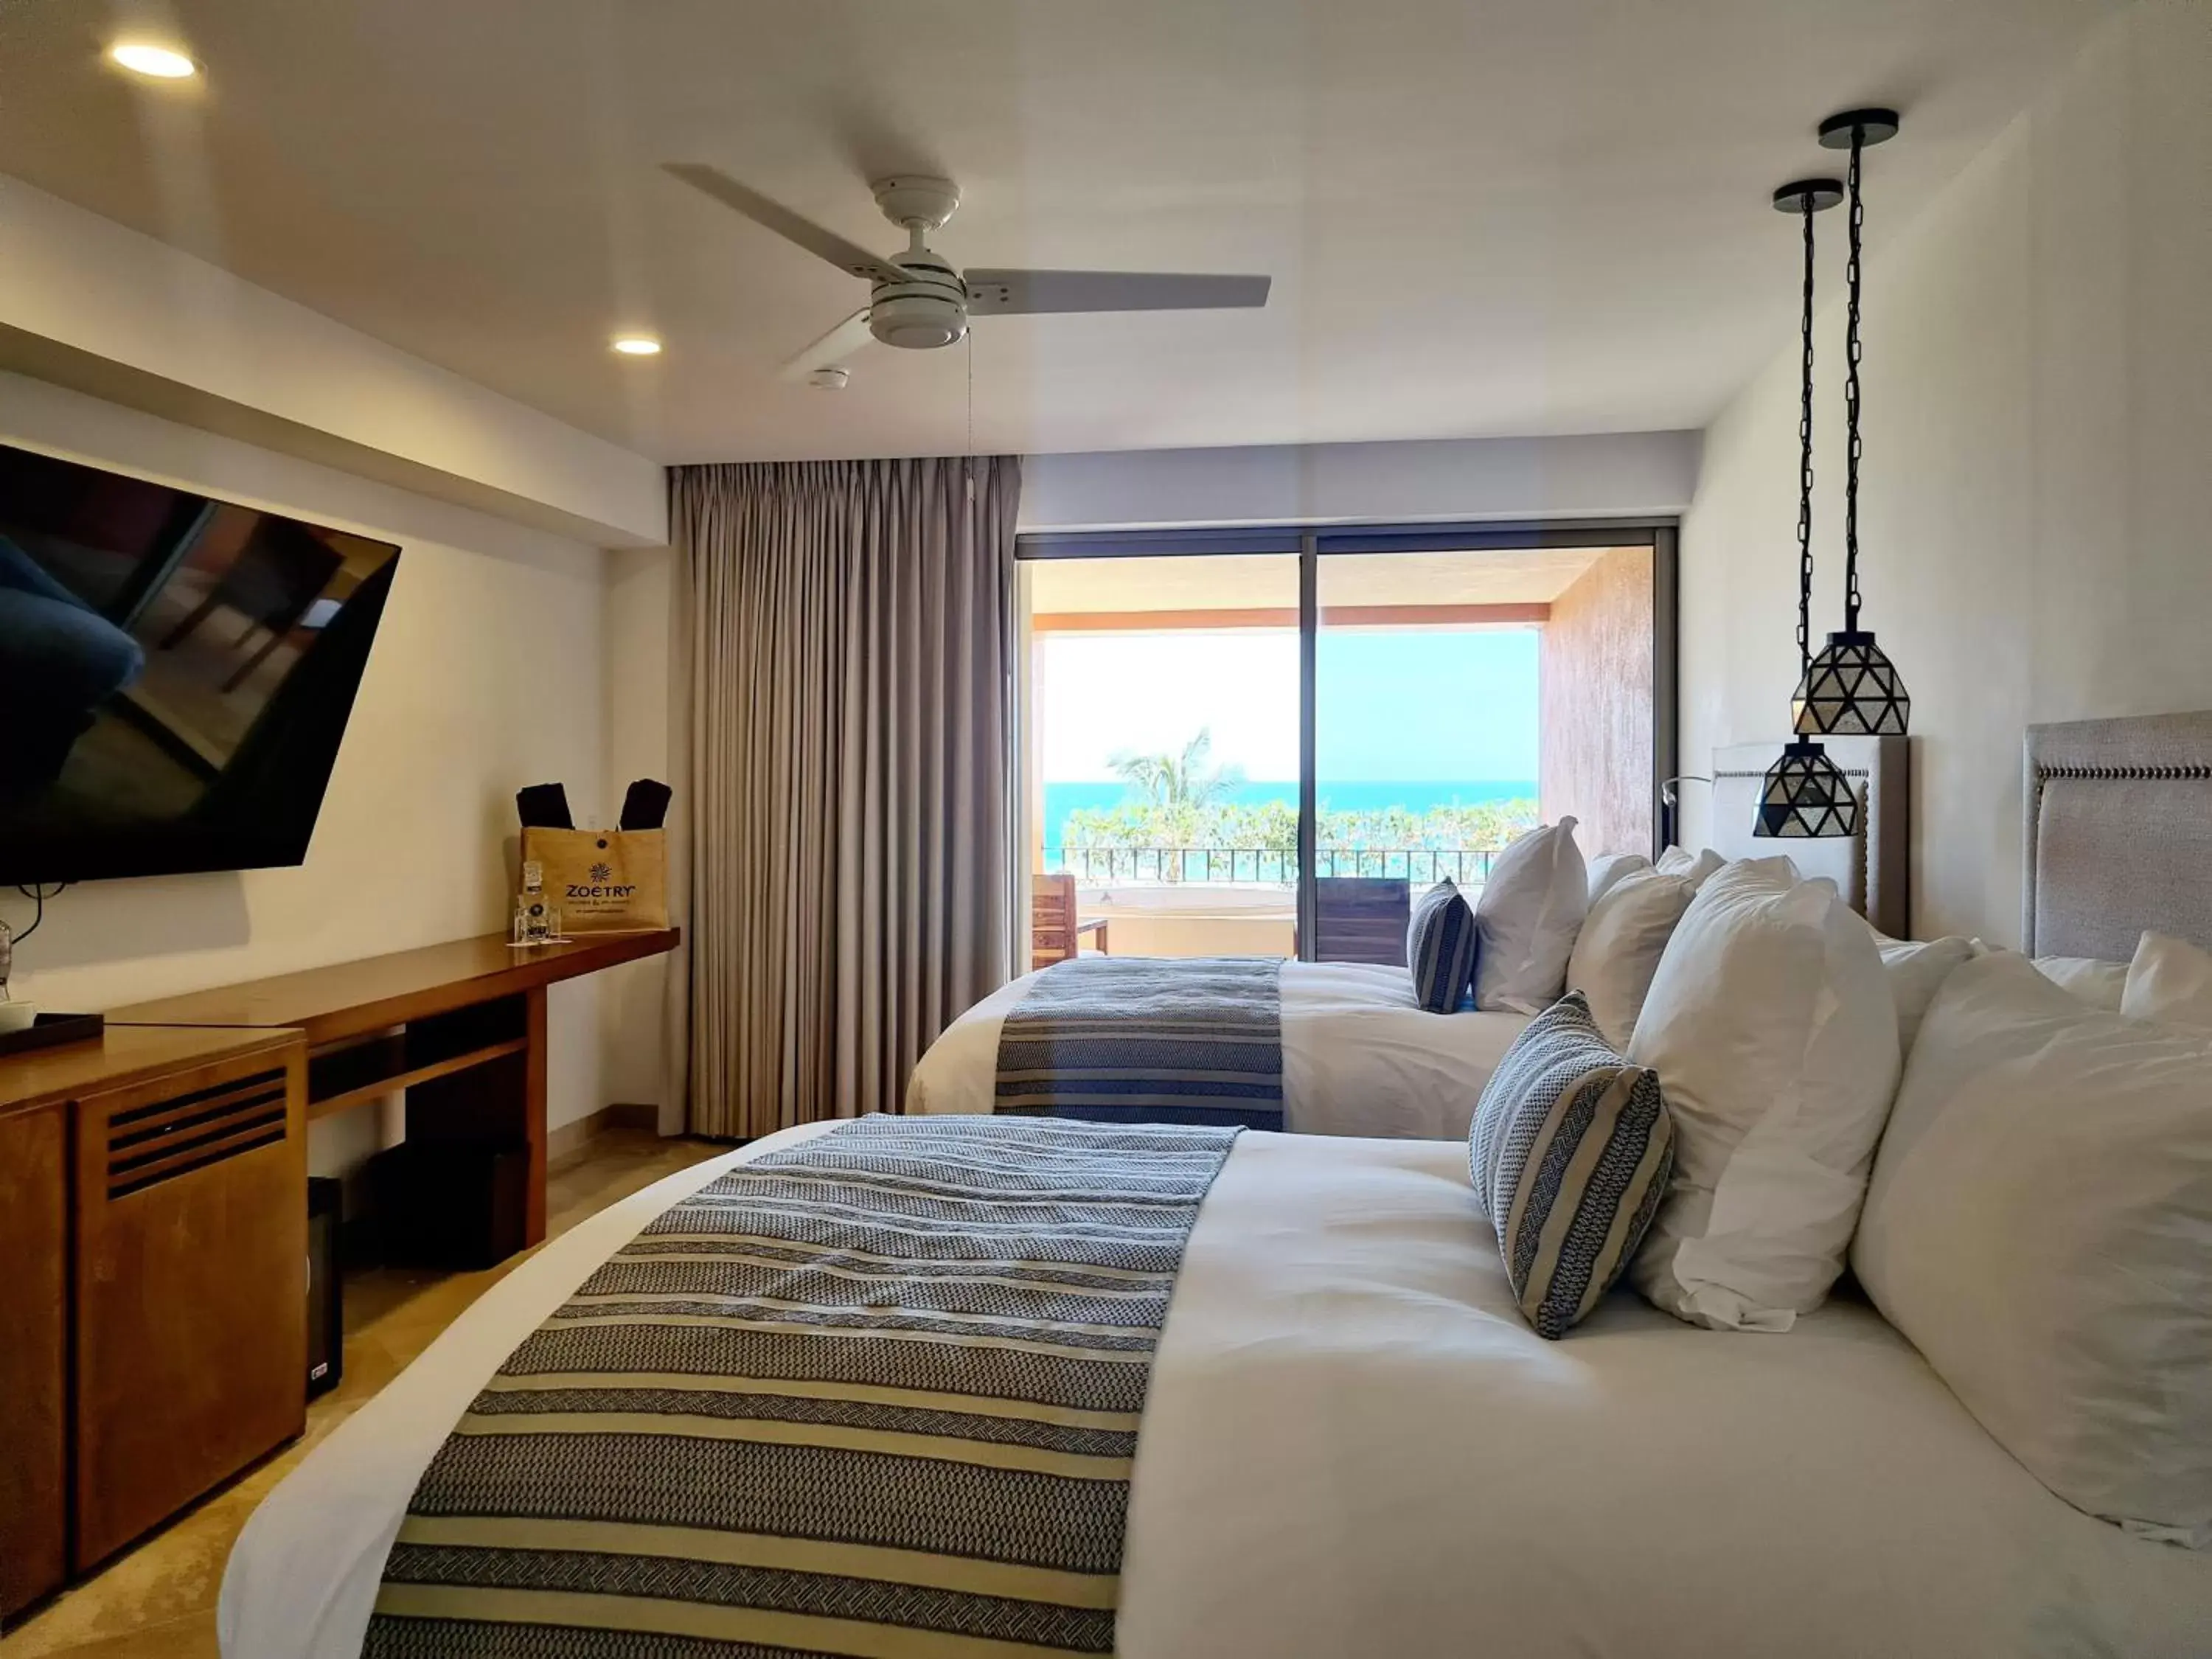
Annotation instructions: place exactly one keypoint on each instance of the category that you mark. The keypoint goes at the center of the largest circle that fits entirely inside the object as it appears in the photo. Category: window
(1271, 743)
(1163, 755)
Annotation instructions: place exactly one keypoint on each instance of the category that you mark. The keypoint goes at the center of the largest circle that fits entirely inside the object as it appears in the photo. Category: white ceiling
(1483, 218)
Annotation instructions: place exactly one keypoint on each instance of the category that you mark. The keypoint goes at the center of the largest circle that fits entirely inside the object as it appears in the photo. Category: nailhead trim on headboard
(2156, 772)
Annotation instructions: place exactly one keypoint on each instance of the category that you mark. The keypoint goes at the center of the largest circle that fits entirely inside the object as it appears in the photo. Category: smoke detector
(829, 379)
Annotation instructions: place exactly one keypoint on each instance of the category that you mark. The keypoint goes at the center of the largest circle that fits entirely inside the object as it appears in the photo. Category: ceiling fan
(919, 301)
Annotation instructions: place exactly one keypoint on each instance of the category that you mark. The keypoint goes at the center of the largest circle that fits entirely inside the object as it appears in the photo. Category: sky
(1452, 705)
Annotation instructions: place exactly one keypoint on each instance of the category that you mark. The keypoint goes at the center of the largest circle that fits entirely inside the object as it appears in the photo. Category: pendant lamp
(1851, 687)
(1805, 794)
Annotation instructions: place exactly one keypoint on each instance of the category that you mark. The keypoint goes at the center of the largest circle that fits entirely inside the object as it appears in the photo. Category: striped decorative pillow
(1440, 945)
(1570, 1153)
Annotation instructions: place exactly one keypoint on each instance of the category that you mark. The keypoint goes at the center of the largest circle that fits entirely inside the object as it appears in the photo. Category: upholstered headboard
(2119, 834)
(1873, 870)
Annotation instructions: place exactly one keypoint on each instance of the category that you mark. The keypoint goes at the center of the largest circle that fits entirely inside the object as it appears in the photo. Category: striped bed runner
(874, 1395)
(1147, 1040)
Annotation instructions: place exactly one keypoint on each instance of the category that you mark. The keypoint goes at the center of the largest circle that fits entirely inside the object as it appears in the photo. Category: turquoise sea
(1418, 796)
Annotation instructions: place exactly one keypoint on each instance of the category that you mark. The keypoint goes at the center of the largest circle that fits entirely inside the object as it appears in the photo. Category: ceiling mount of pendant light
(1805, 794)
(1871, 126)
(1851, 687)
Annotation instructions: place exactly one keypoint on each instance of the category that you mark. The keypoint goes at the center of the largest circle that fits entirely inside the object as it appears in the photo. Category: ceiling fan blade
(848, 257)
(833, 348)
(999, 292)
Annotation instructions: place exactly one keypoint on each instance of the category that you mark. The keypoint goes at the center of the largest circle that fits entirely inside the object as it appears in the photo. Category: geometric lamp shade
(1806, 796)
(1851, 689)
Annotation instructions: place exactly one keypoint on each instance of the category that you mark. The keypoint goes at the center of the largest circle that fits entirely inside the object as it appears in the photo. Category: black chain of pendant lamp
(1851, 687)
(1805, 794)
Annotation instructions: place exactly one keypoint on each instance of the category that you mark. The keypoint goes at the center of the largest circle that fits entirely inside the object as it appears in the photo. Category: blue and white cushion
(1440, 947)
(1570, 1152)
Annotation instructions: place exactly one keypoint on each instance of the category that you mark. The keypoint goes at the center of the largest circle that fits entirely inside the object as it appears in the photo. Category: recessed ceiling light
(161, 62)
(637, 345)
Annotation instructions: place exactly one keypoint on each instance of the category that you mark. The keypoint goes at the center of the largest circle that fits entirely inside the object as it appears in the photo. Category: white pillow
(1772, 1028)
(1916, 972)
(2040, 1225)
(1532, 904)
(1606, 868)
(2100, 984)
(1619, 945)
(1679, 861)
(2170, 979)
(1780, 868)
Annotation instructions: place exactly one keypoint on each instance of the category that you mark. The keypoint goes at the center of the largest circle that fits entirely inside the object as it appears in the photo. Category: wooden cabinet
(153, 1217)
(192, 1291)
(153, 1290)
(34, 1352)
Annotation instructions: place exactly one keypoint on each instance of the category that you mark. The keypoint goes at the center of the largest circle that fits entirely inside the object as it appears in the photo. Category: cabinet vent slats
(157, 1142)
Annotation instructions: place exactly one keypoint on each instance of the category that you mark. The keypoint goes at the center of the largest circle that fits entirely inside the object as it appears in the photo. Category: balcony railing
(1275, 867)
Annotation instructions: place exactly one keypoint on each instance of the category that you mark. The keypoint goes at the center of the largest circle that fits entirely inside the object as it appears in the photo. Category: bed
(1361, 1057)
(1352, 1444)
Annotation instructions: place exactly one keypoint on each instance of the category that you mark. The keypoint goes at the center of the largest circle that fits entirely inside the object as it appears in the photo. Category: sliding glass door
(1426, 732)
(1162, 750)
(1273, 743)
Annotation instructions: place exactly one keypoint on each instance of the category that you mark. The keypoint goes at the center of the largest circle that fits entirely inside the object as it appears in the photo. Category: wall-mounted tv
(175, 673)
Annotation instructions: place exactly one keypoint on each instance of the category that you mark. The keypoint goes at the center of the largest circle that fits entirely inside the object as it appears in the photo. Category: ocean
(1420, 796)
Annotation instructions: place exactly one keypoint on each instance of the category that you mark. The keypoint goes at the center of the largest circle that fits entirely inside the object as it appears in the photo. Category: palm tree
(1187, 779)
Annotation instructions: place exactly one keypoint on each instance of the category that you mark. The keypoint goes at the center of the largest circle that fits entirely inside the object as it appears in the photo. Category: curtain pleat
(850, 627)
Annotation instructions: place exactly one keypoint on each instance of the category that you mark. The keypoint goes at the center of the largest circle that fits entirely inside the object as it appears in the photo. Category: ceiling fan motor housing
(928, 309)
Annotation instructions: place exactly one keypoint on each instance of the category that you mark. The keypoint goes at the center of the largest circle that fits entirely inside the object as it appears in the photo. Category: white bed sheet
(1360, 1055)
(1353, 1446)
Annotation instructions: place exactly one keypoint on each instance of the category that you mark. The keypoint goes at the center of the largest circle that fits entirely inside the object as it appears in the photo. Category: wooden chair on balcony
(1055, 930)
(1362, 919)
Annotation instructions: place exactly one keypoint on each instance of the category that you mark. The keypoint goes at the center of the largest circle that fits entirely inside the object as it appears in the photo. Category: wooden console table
(153, 1217)
(460, 1027)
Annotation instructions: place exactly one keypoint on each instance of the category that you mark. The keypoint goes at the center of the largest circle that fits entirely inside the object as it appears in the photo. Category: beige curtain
(851, 662)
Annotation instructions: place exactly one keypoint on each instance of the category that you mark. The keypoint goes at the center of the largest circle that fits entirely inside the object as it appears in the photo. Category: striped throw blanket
(1147, 1040)
(875, 1394)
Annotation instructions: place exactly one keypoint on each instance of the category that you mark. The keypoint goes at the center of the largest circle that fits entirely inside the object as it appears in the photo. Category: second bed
(1360, 1056)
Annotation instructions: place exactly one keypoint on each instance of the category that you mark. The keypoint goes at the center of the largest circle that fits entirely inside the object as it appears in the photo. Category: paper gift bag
(604, 881)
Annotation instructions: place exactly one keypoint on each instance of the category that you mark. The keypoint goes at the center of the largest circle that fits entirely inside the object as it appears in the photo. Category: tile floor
(157, 1600)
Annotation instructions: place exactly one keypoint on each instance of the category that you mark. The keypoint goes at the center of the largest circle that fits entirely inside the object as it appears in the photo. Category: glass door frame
(1309, 544)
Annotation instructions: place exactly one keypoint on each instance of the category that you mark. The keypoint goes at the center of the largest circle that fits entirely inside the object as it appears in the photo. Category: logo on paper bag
(598, 890)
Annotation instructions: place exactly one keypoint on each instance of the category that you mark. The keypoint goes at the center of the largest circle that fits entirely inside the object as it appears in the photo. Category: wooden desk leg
(501, 1101)
(534, 1115)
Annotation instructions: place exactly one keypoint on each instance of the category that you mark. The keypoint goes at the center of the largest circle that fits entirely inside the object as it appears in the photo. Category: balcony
(1242, 901)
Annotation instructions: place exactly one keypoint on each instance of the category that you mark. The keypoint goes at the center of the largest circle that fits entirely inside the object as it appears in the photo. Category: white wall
(2037, 487)
(1624, 475)
(487, 674)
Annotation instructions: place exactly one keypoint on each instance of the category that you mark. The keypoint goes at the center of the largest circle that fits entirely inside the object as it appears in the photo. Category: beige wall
(2038, 492)
(487, 675)
(1595, 757)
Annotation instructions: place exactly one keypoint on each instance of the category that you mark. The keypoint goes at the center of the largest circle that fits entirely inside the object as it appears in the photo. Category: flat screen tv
(175, 673)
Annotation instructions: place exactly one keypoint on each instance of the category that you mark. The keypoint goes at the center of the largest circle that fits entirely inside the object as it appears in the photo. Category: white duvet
(1353, 1446)
(1360, 1055)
